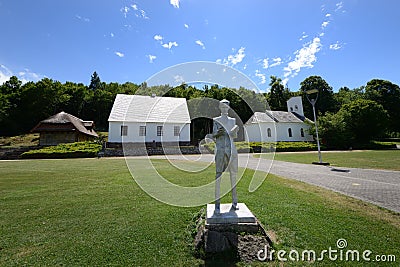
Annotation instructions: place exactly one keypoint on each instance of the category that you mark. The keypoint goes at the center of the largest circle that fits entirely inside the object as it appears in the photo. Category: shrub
(257, 147)
(73, 150)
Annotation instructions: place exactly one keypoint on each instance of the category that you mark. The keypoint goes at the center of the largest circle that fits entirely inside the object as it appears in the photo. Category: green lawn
(90, 212)
(369, 159)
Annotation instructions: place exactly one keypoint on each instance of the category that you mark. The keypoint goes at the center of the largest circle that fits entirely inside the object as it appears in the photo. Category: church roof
(137, 108)
(275, 116)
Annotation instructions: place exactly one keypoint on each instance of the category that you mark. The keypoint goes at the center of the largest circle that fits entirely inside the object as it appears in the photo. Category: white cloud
(24, 76)
(112, 34)
(277, 61)
(186, 26)
(158, 38)
(151, 58)
(125, 11)
(324, 24)
(82, 18)
(119, 54)
(303, 36)
(169, 45)
(236, 58)
(328, 15)
(175, 3)
(339, 6)
(245, 66)
(200, 43)
(139, 13)
(335, 46)
(179, 79)
(265, 63)
(262, 77)
(305, 57)
(5, 74)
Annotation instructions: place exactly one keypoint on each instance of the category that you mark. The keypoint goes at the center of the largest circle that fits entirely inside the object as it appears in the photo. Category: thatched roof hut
(64, 128)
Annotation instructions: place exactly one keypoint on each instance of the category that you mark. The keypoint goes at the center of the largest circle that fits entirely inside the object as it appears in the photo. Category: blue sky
(346, 42)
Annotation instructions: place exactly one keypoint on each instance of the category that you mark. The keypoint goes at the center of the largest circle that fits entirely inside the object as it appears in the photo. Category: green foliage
(257, 147)
(326, 101)
(386, 94)
(332, 131)
(22, 106)
(278, 95)
(356, 123)
(365, 119)
(73, 150)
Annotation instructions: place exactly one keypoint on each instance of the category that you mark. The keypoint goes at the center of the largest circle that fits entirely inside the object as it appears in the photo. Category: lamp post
(312, 102)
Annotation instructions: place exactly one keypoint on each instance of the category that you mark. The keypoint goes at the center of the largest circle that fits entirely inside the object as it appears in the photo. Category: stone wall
(141, 150)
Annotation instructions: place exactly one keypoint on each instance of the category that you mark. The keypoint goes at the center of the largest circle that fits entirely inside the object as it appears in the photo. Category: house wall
(279, 132)
(55, 138)
(114, 132)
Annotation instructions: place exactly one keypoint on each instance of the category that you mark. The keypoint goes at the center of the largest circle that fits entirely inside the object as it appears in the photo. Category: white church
(148, 119)
(279, 126)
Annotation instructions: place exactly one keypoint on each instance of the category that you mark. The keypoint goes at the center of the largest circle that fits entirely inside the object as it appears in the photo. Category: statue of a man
(224, 131)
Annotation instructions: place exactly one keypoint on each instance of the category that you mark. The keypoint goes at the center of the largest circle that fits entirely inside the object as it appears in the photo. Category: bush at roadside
(72, 150)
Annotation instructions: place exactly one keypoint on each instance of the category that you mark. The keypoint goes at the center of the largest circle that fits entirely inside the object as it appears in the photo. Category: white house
(139, 119)
(279, 126)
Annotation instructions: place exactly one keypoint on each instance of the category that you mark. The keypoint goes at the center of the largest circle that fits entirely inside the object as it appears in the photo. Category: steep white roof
(137, 108)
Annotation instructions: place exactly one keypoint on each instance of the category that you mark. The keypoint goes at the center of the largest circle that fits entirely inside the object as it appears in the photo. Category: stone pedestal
(240, 220)
(231, 235)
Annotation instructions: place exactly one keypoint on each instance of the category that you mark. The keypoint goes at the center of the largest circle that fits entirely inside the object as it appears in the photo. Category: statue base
(230, 236)
(241, 219)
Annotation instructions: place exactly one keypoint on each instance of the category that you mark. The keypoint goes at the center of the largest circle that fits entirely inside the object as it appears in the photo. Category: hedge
(72, 150)
(257, 147)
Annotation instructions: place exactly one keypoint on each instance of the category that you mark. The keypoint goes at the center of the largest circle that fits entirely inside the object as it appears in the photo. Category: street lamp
(312, 102)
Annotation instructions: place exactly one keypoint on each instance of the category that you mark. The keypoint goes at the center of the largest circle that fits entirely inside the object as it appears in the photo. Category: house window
(159, 130)
(142, 130)
(177, 130)
(296, 107)
(290, 132)
(302, 132)
(124, 130)
(269, 132)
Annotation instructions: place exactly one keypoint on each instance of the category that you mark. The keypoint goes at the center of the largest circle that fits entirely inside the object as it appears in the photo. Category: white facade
(279, 126)
(295, 104)
(139, 119)
(279, 132)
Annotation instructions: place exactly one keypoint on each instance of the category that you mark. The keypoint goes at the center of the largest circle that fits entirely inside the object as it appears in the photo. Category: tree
(357, 122)
(95, 82)
(365, 119)
(10, 93)
(388, 95)
(332, 131)
(345, 95)
(278, 95)
(326, 101)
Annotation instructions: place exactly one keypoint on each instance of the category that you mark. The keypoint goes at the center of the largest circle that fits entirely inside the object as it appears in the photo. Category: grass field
(368, 159)
(90, 212)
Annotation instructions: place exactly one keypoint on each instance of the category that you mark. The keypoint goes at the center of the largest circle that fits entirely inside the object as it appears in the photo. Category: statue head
(224, 106)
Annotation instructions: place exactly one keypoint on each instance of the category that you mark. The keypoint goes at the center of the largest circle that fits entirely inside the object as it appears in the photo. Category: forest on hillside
(348, 115)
